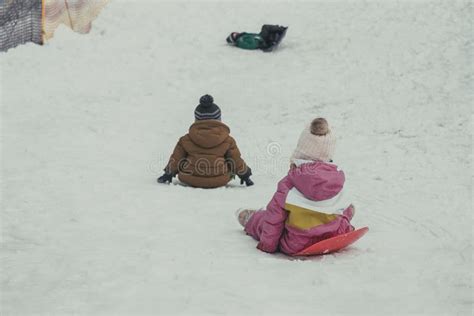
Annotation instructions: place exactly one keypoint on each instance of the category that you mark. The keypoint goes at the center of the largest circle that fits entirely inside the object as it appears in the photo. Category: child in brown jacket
(206, 157)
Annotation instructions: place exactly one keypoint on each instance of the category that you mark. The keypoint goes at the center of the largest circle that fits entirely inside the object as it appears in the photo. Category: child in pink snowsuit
(308, 205)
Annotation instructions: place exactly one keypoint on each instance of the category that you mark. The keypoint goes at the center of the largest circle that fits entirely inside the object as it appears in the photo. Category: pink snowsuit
(273, 227)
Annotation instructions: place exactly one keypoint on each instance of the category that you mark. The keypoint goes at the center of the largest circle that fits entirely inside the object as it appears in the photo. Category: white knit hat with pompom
(316, 142)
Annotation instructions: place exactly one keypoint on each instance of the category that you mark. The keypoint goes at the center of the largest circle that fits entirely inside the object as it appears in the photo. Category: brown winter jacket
(207, 156)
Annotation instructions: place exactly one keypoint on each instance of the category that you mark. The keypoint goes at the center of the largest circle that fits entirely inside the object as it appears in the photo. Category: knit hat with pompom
(316, 142)
(207, 110)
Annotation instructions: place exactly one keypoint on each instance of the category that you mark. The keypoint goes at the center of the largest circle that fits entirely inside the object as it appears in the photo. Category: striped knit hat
(316, 142)
(207, 110)
(232, 38)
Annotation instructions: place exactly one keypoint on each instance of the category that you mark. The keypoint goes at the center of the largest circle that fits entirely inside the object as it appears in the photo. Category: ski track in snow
(88, 123)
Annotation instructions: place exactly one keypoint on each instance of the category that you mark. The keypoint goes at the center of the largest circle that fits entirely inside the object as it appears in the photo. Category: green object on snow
(250, 41)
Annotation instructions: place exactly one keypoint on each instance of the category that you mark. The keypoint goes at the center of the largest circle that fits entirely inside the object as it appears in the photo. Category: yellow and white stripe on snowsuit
(306, 214)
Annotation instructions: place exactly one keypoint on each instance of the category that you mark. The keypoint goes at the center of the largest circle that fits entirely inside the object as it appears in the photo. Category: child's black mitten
(247, 181)
(166, 178)
(246, 178)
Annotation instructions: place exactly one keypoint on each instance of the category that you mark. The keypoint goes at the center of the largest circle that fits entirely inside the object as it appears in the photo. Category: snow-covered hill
(88, 123)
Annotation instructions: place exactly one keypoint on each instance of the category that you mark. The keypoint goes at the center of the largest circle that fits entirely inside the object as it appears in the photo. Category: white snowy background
(88, 122)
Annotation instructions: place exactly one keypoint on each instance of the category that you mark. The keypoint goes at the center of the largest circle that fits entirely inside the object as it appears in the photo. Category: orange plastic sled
(334, 243)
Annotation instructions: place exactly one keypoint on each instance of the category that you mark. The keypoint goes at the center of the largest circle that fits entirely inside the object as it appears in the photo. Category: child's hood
(318, 181)
(208, 133)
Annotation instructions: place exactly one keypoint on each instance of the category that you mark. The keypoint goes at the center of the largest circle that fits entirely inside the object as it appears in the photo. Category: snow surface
(89, 121)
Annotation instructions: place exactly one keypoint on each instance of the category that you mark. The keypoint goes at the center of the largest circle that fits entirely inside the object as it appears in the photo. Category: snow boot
(243, 215)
